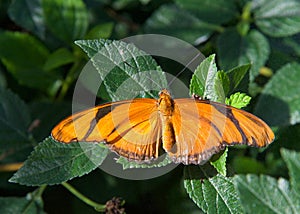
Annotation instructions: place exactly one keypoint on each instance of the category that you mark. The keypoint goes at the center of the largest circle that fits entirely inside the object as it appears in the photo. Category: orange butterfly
(189, 130)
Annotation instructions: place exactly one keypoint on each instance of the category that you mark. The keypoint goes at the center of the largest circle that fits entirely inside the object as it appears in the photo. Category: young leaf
(29, 15)
(279, 103)
(278, 18)
(68, 20)
(212, 194)
(292, 160)
(32, 203)
(125, 71)
(264, 194)
(53, 163)
(238, 100)
(220, 163)
(233, 50)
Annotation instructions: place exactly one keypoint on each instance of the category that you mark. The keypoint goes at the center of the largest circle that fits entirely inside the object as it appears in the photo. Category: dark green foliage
(252, 49)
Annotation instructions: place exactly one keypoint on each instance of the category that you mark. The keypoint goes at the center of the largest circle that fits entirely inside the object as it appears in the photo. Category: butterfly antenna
(180, 72)
(149, 92)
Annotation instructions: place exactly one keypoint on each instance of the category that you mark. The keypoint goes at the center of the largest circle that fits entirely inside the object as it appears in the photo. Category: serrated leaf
(68, 20)
(264, 194)
(32, 203)
(125, 71)
(234, 50)
(238, 100)
(212, 194)
(279, 103)
(204, 78)
(162, 161)
(188, 27)
(278, 18)
(53, 163)
(14, 122)
(29, 15)
(24, 57)
(292, 160)
(220, 163)
(218, 11)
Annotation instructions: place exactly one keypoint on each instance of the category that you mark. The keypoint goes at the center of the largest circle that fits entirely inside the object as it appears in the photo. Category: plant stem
(41, 190)
(72, 74)
(98, 207)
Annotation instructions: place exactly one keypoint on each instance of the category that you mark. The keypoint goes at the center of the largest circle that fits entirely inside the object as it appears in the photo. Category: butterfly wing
(202, 128)
(130, 128)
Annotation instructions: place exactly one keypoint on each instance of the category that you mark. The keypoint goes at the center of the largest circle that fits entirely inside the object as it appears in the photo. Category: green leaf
(264, 194)
(206, 82)
(29, 15)
(32, 203)
(53, 163)
(59, 58)
(102, 31)
(211, 194)
(292, 160)
(278, 18)
(24, 58)
(220, 163)
(162, 161)
(236, 75)
(234, 50)
(279, 103)
(125, 71)
(188, 27)
(68, 20)
(14, 123)
(218, 11)
(238, 100)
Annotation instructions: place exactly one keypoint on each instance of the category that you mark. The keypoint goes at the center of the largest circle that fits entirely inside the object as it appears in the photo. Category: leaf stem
(98, 207)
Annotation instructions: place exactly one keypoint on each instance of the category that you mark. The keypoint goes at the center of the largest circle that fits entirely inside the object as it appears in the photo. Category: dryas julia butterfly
(188, 129)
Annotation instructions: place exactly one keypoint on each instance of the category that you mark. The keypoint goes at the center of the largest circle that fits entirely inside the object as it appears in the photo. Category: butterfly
(189, 130)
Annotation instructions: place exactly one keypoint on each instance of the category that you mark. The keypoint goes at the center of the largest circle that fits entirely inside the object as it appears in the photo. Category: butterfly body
(189, 130)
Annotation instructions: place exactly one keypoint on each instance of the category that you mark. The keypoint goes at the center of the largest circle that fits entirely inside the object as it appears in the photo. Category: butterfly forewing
(131, 128)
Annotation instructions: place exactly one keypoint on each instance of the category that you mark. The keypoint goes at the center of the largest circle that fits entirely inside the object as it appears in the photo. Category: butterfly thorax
(165, 103)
